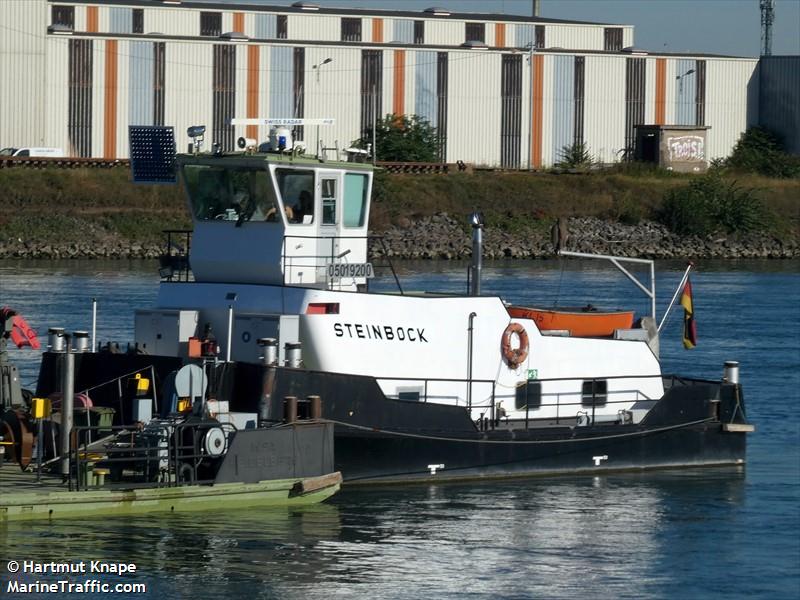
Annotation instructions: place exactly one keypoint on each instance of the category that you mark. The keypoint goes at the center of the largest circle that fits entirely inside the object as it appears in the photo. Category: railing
(292, 264)
(43, 162)
(165, 454)
(118, 381)
(587, 406)
(173, 265)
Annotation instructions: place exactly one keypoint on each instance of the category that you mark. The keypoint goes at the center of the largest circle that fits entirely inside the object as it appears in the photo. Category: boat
(271, 293)
(586, 321)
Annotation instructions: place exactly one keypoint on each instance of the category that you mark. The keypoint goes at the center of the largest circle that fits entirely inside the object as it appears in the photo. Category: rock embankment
(445, 237)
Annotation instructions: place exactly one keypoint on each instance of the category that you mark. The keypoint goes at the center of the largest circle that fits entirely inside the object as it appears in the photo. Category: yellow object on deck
(142, 384)
(40, 408)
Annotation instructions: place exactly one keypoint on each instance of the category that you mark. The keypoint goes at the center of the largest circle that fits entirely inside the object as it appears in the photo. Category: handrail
(166, 442)
(608, 398)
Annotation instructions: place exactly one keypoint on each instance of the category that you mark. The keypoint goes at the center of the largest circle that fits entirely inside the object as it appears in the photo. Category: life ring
(514, 356)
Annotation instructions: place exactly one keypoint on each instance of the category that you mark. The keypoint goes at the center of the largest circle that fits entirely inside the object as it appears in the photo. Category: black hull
(388, 458)
(382, 440)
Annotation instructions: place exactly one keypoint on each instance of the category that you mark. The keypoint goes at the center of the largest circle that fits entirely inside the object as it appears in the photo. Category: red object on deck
(580, 322)
(21, 333)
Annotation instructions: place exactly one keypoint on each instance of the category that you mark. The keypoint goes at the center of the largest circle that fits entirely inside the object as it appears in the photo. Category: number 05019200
(350, 270)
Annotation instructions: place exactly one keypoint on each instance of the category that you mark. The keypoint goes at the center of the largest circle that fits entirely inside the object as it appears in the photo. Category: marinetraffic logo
(380, 332)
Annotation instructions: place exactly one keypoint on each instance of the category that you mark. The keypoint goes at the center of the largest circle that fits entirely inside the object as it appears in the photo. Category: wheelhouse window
(351, 30)
(230, 194)
(594, 392)
(329, 202)
(354, 208)
(296, 188)
(211, 24)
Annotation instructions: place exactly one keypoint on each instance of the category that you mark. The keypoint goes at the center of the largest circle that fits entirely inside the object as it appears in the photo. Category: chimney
(536, 8)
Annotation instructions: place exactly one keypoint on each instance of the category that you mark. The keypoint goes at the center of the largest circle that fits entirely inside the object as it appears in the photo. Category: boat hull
(408, 460)
(382, 440)
(59, 504)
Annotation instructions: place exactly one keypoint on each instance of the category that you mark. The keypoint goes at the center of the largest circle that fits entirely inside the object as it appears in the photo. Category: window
(419, 32)
(539, 34)
(282, 27)
(409, 394)
(297, 193)
(329, 202)
(138, 21)
(355, 200)
(528, 395)
(224, 194)
(475, 32)
(351, 30)
(612, 39)
(211, 24)
(594, 392)
(63, 15)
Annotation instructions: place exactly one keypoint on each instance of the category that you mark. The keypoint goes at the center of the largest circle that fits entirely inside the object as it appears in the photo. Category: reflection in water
(549, 537)
(684, 534)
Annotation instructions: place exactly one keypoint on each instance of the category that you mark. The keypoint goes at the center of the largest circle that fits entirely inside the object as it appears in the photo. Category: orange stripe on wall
(238, 22)
(537, 89)
(661, 91)
(252, 89)
(500, 35)
(377, 30)
(110, 104)
(399, 106)
(91, 18)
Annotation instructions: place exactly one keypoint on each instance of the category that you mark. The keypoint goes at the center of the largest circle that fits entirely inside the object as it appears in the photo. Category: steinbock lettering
(366, 331)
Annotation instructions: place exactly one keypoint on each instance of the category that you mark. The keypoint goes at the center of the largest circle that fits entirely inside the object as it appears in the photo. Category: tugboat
(418, 386)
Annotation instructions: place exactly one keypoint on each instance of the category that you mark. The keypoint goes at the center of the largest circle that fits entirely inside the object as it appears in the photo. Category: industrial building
(502, 90)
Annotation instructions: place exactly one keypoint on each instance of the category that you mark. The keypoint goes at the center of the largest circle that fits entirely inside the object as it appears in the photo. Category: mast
(767, 19)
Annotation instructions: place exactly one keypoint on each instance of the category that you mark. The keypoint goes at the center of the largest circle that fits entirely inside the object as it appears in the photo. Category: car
(33, 152)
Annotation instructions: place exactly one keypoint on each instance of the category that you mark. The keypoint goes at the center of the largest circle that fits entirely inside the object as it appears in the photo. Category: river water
(683, 534)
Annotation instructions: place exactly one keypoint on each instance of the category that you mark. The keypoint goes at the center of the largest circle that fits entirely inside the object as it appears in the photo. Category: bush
(760, 151)
(403, 138)
(575, 156)
(709, 205)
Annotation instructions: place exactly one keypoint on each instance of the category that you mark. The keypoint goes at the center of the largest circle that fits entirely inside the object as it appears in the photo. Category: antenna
(767, 19)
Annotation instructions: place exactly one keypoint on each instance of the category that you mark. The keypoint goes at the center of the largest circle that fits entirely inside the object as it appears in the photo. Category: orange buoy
(514, 356)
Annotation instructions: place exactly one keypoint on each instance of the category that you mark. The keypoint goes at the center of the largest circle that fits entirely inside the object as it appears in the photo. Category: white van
(33, 152)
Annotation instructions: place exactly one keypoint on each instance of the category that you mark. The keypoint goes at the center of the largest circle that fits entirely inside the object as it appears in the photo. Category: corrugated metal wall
(731, 103)
(474, 107)
(779, 99)
(486, 105)
(22, 72)
(604, 107)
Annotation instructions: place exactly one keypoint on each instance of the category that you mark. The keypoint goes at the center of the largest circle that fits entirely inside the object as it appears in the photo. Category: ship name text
(390, 333)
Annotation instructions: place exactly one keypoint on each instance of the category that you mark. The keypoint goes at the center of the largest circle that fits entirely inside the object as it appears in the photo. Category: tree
(403, 138)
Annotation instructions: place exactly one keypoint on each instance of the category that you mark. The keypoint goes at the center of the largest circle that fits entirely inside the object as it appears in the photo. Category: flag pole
(675, 295)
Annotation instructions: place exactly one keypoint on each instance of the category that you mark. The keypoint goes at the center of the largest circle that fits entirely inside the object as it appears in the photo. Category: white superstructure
(280, 250)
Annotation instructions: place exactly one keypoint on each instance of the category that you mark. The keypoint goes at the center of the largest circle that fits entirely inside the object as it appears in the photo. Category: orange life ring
(514, 356)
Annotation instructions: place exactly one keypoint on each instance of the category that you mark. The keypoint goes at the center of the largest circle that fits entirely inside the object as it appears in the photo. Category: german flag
(689, 325)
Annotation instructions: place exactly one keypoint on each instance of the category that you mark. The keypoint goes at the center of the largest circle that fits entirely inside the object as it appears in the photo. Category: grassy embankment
(64, 206)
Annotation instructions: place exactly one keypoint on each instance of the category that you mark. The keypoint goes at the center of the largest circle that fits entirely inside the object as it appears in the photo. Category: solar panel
(152, 152)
